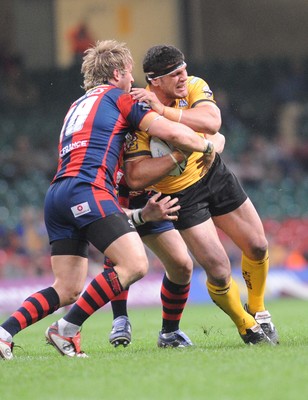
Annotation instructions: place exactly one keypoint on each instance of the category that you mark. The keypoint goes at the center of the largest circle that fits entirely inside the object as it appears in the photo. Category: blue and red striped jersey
(93, 134)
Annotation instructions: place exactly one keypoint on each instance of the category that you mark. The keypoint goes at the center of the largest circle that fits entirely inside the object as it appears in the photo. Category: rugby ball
(159, 148)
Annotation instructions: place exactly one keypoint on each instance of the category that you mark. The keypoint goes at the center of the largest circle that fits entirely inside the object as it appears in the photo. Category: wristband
(137, 217)
(180, 116)
(174, 114)
(209, 147)
(182, 165)
(182, 152)
(173, 159)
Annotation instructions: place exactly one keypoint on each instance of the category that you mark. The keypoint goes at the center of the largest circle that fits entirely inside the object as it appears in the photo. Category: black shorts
(100, 233)
(218, 192)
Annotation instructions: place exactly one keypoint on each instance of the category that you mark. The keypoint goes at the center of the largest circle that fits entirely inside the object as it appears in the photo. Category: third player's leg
(203, 242)
(172, 251)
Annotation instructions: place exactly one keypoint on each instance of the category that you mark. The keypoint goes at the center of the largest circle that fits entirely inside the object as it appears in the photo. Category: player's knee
(73, 296)
(259, 250)
(217, 264)
(184, 270)
(142, 270)
(220, 281)
(219, 274)
(185, 275)
(139, 269)
(68, 295)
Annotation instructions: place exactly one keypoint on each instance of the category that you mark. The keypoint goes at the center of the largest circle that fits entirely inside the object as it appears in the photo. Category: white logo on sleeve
(81, 209)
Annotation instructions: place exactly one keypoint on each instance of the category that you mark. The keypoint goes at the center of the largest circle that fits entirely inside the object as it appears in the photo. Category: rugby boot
(66, 346)
(173, 339)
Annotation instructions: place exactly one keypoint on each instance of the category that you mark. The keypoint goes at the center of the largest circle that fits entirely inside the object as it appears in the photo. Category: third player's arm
(144, 171)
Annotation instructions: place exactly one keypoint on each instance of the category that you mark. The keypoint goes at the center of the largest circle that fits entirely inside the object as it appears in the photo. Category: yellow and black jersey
(138, 143)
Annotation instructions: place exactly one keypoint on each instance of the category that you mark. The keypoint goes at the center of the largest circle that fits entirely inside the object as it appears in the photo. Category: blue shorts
(149, 228)
(71, 205)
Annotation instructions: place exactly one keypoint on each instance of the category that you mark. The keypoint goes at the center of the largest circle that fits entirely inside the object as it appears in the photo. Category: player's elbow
(219, 142)
(213, 125)
(216, 127)
(134, 183)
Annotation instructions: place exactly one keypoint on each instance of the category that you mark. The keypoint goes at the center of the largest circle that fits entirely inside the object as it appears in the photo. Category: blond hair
(102, 59)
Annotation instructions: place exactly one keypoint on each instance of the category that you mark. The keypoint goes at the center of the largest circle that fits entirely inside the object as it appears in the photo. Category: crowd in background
(264, 109)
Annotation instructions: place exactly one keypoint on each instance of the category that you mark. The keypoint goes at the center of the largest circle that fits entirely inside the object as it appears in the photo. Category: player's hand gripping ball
(160, 148)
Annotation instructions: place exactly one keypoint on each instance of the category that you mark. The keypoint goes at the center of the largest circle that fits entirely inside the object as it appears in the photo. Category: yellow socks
(254, 274)
(228, 299)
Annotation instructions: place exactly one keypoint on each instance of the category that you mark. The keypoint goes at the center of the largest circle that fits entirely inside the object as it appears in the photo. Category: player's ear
(116, 74)
(155, 82)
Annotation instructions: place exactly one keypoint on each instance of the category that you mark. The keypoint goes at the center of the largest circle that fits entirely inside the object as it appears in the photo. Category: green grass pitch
(218, 367)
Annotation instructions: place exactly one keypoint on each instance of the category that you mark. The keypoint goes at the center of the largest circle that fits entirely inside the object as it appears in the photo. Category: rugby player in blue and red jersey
(81, 204)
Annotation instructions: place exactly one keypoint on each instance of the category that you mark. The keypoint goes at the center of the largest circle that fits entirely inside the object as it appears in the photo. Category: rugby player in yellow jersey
(208, 199)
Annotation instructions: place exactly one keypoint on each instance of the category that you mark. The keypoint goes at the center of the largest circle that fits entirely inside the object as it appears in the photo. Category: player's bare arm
(218, 141)
(205, 117)
(179, 135)
(148, 97)
(144, 171)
